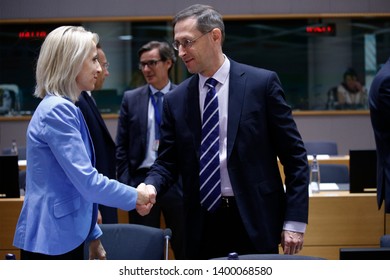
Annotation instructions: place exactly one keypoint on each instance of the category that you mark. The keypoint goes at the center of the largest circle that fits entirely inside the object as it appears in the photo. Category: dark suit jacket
(132, 132)
(379, 100)
(260, 129)
(104, 147)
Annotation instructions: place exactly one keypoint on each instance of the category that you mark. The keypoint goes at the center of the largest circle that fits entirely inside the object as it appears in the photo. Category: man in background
(138, 137)
(379, 102)
(103, 143)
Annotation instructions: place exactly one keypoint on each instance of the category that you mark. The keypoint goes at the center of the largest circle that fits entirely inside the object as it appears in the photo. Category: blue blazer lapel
(86, 134)
(237, 86)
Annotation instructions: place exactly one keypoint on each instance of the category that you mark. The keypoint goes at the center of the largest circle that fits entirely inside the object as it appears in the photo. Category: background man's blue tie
(159, 96)
(210, 177)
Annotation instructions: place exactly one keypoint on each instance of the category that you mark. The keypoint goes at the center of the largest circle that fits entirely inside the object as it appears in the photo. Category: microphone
(167, 237)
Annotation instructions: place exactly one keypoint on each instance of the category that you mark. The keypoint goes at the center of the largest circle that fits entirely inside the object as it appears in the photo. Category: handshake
(146, 198)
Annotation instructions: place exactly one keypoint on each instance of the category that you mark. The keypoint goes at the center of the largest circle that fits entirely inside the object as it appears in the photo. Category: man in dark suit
(138, 137)
(103, 143)
(252, 213)
(379, 102)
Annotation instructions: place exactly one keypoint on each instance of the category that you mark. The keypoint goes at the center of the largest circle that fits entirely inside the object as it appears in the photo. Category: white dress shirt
(222, 91)
(151, 154)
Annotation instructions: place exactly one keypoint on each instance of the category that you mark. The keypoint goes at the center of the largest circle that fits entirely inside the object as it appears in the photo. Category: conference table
(337, 219)
(340, 219)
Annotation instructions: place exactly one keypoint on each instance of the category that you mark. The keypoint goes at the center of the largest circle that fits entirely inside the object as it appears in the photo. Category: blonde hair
(61, 59)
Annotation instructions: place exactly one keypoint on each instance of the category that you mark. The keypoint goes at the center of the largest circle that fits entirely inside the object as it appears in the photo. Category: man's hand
(292, 242)
(146, 198)
(96, 250)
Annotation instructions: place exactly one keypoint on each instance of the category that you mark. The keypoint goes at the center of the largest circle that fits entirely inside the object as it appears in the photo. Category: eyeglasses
(187, 43)
(105, 65)
(149, 63)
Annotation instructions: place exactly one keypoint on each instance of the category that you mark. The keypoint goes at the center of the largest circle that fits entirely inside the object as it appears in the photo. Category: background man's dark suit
(260, 128)
(104, 148)
(131, 151)
(379, 101)
(132, 143)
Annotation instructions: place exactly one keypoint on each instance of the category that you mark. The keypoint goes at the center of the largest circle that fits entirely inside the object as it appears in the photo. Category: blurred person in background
(351, 94)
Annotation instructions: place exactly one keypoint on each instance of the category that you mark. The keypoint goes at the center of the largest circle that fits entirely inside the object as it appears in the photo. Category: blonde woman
(62, 186)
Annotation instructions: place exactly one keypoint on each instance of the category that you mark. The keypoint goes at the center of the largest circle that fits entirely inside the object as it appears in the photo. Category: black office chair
(133, 242)
(272, 257)
(321, 148)
(385, 241)
(334, 173)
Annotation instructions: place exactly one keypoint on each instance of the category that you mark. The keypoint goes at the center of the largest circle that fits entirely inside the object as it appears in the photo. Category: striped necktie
(210, 177)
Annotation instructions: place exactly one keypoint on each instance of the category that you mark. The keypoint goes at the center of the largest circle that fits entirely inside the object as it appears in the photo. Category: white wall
(350, 132)
(45, 9)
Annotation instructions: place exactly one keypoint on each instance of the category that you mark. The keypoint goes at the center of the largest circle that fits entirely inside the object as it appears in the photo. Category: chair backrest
(321, 148)
(272, 257)
(131, 242)
(334, 173)
(385, 241)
